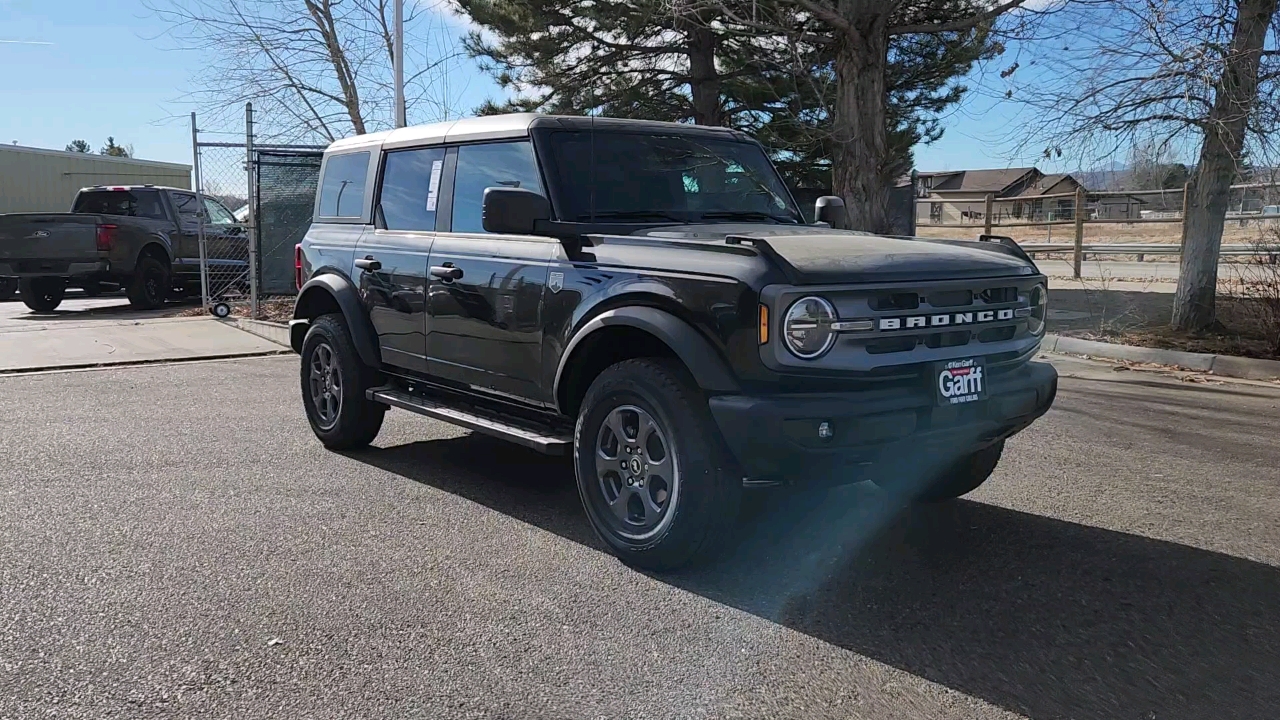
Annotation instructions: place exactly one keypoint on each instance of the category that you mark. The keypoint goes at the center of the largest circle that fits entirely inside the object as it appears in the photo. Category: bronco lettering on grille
(910, 322)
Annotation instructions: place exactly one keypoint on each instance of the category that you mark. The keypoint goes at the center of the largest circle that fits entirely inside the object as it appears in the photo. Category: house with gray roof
(1018, 195)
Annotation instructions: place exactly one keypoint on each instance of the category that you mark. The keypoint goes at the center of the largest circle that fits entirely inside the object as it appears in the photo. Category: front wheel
(656, 482)
(42, 294)
(334, 381)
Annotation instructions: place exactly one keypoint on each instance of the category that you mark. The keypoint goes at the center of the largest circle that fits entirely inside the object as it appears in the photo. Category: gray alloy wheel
(637, 473)
(325, 381)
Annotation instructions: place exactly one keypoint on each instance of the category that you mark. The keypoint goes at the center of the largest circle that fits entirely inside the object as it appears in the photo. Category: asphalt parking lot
(176, 544)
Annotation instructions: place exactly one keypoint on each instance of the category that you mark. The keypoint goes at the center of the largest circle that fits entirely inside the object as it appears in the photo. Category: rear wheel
(150, 284)
(656, 482)
(42, 294)
(334, 381)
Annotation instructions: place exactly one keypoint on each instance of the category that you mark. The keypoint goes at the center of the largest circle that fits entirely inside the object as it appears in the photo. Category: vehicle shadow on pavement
(1043, 617)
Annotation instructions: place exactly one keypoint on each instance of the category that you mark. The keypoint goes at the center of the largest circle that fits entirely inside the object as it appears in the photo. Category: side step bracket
(541, 440)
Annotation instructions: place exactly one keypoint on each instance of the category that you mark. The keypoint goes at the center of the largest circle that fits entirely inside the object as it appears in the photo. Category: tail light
(106, 237)
(297, 266)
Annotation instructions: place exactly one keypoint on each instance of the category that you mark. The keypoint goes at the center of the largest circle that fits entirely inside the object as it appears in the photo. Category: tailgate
(28, 241)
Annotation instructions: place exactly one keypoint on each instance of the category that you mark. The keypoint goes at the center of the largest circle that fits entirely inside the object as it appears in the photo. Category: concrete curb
(277, 333)
(1225, 365)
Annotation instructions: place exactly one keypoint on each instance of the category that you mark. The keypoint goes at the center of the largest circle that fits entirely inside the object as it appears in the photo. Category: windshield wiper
(638, 215)
(745, 215)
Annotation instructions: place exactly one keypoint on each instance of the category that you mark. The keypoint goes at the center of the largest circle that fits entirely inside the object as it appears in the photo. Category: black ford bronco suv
(648, 297)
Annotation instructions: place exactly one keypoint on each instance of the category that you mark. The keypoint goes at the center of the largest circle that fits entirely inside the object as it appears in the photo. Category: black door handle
(446, 272)
(368, 263)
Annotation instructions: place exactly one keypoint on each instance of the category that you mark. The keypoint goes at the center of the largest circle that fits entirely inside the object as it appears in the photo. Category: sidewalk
(69, 340)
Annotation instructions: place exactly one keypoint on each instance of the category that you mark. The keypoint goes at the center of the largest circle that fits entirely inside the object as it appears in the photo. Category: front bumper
(777, 438)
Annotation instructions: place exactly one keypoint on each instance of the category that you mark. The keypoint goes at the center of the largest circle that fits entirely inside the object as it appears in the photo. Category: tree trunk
(704, 79)
(1235, 94)
(859, 136)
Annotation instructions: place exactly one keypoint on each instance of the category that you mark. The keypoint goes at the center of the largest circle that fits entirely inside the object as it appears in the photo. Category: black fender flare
(709, 370)
(348, 300)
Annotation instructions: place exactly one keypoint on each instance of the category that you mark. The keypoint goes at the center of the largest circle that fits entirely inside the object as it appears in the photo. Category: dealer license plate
(960, 381)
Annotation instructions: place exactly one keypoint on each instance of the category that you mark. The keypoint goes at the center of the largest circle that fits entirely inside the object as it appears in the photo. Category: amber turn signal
(764, 324)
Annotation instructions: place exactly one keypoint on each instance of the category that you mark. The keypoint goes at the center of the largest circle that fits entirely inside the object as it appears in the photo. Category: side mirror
(830, 210)
(513, 211)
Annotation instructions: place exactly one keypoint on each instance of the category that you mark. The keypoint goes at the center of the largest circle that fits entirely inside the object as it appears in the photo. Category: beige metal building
(38, 180)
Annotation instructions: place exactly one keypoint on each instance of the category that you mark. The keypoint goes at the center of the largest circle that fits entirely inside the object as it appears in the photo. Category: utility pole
(398, 64)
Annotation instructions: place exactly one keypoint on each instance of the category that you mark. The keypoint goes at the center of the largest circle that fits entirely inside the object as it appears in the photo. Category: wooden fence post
(1080, 211)
(986, 215)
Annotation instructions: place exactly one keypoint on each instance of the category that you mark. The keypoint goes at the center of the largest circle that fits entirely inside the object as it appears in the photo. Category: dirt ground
(1139, 314)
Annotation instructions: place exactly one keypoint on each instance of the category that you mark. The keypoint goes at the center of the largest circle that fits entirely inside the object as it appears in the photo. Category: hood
(817, 256)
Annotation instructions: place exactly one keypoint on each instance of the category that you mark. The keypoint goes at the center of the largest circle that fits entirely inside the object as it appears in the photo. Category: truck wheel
(150, 284)
(334, 380)
(8, 288)
(42, 294)
(965, 475)
(655, 479)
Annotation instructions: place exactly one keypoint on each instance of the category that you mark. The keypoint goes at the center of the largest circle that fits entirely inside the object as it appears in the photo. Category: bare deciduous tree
(1172, 74)
(315, 69)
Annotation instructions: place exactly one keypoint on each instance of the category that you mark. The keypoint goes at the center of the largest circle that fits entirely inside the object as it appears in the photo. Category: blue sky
(106, 72)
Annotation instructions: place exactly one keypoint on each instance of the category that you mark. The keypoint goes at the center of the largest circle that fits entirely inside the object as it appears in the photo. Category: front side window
(619, 176)
(342, 187)
(508, 164)
(411, 188)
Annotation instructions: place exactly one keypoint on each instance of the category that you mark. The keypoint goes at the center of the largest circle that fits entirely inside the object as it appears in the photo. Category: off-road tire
(964, 476)
(42, 294)
(704, 508)
(358, 419)
(149, 286)
(8, 288)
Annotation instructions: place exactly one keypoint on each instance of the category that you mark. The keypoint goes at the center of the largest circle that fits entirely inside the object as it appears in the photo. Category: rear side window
(342, 187)
(124, 203)
(508, 164)
(411, 188)
(187, 207)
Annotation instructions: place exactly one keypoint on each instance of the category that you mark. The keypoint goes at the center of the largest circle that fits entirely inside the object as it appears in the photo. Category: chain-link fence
(258, 201)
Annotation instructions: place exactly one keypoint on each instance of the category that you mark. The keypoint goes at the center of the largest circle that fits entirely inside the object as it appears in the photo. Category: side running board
(539, 440)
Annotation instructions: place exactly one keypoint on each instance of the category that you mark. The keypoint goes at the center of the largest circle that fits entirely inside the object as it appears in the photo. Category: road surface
(176, 544)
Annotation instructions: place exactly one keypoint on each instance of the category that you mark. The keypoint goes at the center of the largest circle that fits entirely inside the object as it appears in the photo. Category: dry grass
(276, 309)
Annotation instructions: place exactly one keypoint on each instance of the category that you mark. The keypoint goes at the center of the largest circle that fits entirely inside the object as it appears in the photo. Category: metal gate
(258, 202)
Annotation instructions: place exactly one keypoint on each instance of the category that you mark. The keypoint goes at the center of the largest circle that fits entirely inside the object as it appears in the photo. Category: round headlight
(807, 327)
(1039, 299)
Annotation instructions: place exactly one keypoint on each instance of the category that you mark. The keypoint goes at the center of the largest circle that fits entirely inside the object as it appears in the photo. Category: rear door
(485, 291)
(391, 259)
(186, 239)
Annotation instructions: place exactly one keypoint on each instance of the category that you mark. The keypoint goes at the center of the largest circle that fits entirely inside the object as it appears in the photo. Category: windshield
(634, 177)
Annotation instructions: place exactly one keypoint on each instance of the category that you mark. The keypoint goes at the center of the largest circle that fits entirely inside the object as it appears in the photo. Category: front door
(390, 263)
(485, 291)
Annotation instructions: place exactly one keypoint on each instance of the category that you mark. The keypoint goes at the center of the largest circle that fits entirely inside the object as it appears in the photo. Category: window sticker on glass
(433, 190)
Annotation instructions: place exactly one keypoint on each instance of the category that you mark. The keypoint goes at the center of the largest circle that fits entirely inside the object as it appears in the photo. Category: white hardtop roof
(490, 127)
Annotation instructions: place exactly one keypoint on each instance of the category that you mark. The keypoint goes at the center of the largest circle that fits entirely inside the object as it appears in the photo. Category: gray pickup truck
(139, 237)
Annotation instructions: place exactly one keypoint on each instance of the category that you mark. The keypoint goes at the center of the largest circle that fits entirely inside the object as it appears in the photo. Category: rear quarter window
(342, 185)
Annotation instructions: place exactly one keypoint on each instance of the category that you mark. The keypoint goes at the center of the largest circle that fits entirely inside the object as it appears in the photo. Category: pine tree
(686, 62)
